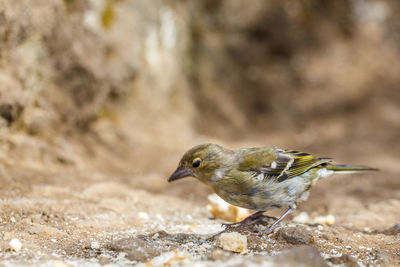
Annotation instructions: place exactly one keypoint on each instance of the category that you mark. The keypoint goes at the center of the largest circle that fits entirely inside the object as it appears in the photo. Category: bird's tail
(349, 168)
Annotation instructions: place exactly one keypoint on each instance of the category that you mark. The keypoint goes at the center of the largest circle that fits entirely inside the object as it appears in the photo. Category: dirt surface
(99, 99)
(124, 216)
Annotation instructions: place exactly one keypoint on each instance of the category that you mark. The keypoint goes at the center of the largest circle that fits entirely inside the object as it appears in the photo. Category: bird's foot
(246, 221)
(229, 226)
(268, 231)
(252, 219)
(256, 217)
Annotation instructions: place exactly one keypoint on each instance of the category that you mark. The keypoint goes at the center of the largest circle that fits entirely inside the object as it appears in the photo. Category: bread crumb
(225, 211)
(328, 219)
(303, 217)
(233, 242)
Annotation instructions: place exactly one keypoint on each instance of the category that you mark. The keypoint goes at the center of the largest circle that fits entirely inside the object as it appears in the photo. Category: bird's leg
(275, 224)
(253, 218)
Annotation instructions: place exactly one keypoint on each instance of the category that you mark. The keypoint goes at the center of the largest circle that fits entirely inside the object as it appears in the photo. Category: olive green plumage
(257, 178)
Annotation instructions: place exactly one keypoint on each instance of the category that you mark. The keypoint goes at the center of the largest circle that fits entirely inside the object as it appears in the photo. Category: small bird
(258, 178)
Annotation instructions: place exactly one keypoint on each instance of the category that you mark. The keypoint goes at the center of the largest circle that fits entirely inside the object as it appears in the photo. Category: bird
(258, 178)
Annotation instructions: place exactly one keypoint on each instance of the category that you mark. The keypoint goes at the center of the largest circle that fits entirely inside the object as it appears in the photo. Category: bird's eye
(196, 163)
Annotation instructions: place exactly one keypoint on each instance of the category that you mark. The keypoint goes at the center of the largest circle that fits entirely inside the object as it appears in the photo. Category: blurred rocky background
(100, 90)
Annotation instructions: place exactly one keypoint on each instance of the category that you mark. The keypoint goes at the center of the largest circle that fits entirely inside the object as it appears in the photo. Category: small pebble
(95, 245)
(121, 255)
(296, 235)
(233, 242)
(60, 264)
(15, 245)
(143, 215)
(168, 258)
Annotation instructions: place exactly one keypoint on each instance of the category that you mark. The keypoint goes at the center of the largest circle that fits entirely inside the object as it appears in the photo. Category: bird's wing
(283, 164)
(294, 163)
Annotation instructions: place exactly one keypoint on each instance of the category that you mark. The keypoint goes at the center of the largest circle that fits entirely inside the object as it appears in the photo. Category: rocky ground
(65, 215)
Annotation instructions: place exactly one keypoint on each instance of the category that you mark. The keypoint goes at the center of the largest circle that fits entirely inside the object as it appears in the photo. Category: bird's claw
(230, 225)
(270, 230)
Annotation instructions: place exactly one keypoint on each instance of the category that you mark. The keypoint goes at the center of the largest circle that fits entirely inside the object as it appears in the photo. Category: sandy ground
(62, 214)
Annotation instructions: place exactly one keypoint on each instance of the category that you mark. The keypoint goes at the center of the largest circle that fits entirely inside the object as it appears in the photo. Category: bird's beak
(179, 174)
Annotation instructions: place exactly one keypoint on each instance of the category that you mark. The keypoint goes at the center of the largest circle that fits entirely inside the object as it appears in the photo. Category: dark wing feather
(289, 164)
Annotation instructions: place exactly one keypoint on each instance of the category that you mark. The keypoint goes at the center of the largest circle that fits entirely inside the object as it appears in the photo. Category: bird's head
(202, 162)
